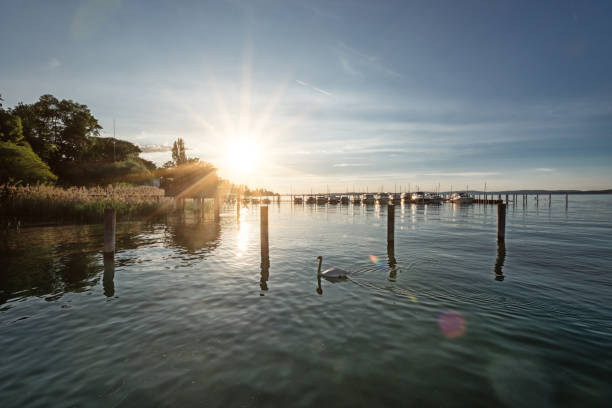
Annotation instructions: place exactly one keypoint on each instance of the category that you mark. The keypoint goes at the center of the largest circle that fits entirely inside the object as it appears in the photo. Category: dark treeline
(55, 140)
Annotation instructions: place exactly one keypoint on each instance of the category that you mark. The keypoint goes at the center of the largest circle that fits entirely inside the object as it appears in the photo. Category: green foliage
(11, 129)
(57, 130)
(109, 149)
(179, 157)
(189, 180)
(65, 136)
(148, 164)
(56, 204)
(132, 171)
(19, 164)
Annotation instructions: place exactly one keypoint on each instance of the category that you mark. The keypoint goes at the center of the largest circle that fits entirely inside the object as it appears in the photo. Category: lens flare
(404, 292)
(374, 260)
(452, 324)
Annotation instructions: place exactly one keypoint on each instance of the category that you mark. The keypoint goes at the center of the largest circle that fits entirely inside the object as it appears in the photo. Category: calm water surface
(185, 315)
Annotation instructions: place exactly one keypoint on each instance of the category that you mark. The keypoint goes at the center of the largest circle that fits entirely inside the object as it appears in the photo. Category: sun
(242, 155)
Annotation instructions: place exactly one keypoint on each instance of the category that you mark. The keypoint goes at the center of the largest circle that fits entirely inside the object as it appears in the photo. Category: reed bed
(43, 203)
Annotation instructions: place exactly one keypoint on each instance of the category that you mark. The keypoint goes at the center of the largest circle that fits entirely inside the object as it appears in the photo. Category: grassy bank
(34, 204)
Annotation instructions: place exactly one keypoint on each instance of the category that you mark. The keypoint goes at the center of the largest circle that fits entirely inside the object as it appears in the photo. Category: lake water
(185, 316)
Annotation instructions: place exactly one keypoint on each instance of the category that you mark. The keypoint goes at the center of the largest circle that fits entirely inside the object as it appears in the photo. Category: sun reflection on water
(243, 238)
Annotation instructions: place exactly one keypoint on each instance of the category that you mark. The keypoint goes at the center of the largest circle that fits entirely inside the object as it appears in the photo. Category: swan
(334, 273)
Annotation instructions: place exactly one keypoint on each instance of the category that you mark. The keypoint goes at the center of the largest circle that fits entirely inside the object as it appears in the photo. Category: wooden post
(537, 199)
(390, 223)
(549, 199)
(506, 199)
(217, 206)
(566, 200)
(501, 222)
(110, 226)
(263, 228)
(238, 206)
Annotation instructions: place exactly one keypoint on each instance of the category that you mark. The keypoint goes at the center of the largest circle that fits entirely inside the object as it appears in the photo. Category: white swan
(334, 273)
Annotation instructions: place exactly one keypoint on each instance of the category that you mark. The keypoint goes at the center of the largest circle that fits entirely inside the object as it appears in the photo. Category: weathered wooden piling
(263, 228)
(217, 206)
(110, 226)
(537, 199)
(566, 200)
(501, 222)
(506, 199)
(549, 199)
(390, 223)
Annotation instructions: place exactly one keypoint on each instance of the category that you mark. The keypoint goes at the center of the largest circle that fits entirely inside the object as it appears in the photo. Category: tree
(189, 180)
(109, 149)
(11, 129)
(131, 171)
(57, 130)
(19, 164)
(179, 156)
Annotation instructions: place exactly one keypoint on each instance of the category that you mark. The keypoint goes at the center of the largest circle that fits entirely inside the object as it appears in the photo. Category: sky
(315, 95)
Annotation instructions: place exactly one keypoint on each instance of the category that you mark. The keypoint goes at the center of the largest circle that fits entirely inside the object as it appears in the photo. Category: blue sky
(517, 94)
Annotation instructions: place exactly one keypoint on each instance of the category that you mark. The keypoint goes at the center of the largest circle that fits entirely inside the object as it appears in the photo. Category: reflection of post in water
(499, 261)
(265, 273)
(392, 260)
(108, 280)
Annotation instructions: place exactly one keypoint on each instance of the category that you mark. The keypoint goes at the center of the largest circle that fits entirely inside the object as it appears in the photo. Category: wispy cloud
(155, 148)
(314, 88)
(545, 169)
(350, 57)
(348, 165)
(53, 63)
(463, 174)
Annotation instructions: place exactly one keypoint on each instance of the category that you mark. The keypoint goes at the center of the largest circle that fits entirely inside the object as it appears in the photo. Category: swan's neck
(319, 270)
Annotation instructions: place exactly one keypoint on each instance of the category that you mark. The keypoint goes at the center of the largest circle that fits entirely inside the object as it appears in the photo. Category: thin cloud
(348, 165)
(314, 88)
(53, 63)
(349, 57)
(545, 169)
(155, 148)
(463, 174)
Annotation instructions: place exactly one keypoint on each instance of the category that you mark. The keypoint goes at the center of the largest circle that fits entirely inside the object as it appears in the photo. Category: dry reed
(79, 204)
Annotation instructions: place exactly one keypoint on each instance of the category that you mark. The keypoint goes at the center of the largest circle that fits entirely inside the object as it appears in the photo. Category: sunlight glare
(242, 155)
